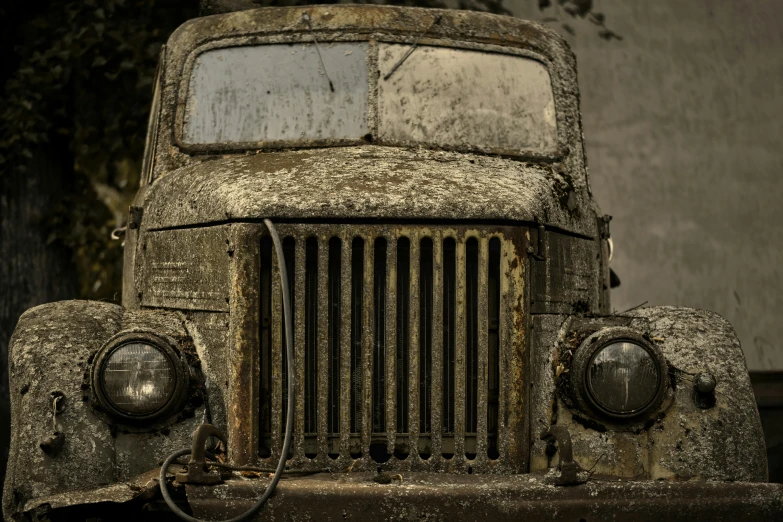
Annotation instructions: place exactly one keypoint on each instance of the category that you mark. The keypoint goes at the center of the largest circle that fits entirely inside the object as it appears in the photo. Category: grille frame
(311, 451)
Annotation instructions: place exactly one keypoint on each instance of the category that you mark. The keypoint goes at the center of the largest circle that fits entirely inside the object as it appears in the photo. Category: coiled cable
(289, 424)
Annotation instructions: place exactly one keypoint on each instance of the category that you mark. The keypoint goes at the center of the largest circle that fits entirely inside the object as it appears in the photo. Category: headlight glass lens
(623, 377)
(138, 378)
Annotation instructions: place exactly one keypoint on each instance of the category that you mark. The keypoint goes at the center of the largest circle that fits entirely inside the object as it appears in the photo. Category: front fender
(724, 442)
(50, 352)
(679, 441)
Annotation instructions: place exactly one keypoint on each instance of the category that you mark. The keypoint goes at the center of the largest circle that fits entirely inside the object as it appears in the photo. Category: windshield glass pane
(456, 97)
(277, 92)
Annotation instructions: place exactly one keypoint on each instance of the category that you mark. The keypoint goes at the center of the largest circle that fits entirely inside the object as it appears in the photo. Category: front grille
(407, 347)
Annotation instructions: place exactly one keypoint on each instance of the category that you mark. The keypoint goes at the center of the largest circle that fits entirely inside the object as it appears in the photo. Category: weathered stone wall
(683, 121)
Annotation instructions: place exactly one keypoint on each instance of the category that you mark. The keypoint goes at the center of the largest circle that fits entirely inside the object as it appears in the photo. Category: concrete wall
(683, 121)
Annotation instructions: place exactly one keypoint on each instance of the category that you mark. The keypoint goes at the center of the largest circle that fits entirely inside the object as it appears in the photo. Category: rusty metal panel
(437, 346)
(565, 281)
(345, 345)
(277, 361)
(459, 358)
(391, 343)
(198, 281)
(299, 348)
(323, 346)
(483, 351)
(513, 354)
(245, 317)
(451, 497)
(367, 346)
(407, 447)
(413, 347)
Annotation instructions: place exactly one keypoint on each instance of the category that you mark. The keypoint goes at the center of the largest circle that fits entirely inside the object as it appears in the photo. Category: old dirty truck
(365, 260)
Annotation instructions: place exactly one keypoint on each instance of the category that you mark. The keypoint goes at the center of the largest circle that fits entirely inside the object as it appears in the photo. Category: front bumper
(440, 496)
(428, 496)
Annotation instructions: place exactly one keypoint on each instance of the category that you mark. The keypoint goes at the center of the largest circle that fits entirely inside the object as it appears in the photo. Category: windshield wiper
(306, 18)
(412, 48)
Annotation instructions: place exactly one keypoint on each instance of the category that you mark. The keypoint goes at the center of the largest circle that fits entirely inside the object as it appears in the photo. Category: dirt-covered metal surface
(193, 273)
(681, 440)
(368, 182)
(405, 25)
(437, 497)
(51, 352)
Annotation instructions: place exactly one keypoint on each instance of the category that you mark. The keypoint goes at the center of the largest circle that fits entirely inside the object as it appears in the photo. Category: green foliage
(84, 78)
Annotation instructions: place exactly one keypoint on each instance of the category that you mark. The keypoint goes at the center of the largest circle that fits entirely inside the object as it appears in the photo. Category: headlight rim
(586, 353)
(163, 344)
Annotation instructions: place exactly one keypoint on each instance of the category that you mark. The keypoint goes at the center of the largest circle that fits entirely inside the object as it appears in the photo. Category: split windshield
(437, 96)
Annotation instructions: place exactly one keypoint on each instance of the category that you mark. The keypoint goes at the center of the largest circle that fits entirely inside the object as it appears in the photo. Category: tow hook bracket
(53, 444)
(569, 470)
(196, 471)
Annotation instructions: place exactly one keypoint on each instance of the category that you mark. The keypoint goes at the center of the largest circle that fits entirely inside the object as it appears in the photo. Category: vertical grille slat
(311, 332)
(471, 336)
(406, 346)
(277, 360)
(493, 346)
(391, 344)
(334, 315)
(301, 382)
(367, 346)
(357, 337)
(403, 331)
(265, 360)
(437, 347)
(506, 336)
(483, 343)
(379, 337)
(345, 348)
(449, 316)
(323, 347)
(289, 253)
(460, 335)
(425, 336)
(413, 346)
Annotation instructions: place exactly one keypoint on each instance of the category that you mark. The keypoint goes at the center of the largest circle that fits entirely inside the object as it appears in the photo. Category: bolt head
(705, 382)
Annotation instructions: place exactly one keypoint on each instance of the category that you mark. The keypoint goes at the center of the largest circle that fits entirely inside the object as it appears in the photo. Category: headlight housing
(139, 377)
(617, 373)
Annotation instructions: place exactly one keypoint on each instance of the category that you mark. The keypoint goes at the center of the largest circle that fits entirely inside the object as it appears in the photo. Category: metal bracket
(603, 226)
(196, 473)
(569, 470)
(134, 218)
(539, 253)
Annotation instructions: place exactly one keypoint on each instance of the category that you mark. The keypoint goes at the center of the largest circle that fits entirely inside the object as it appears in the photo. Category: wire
(306, 18)
(258, 469)
(289, 425)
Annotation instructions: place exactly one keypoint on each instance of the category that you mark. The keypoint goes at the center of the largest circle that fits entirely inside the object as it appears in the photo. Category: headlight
(619, 373)
(138, 377)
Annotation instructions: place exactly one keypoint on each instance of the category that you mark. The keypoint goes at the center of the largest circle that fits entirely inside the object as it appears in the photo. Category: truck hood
(368, 182)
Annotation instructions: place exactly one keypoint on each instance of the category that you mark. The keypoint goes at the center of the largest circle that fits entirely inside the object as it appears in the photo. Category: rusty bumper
(427, 496)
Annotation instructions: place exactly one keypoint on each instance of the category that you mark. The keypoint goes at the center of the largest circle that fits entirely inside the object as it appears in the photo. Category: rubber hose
(289, 424)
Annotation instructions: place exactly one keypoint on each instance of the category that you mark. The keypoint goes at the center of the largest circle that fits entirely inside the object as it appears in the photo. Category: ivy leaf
(596, 18)
(608, 34)
(570, 30)
(578, 7)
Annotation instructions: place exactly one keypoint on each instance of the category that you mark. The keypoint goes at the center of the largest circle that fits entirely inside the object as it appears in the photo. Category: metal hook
(568, 468)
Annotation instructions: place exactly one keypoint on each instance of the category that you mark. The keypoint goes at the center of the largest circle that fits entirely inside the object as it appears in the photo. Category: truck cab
(401, 195)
